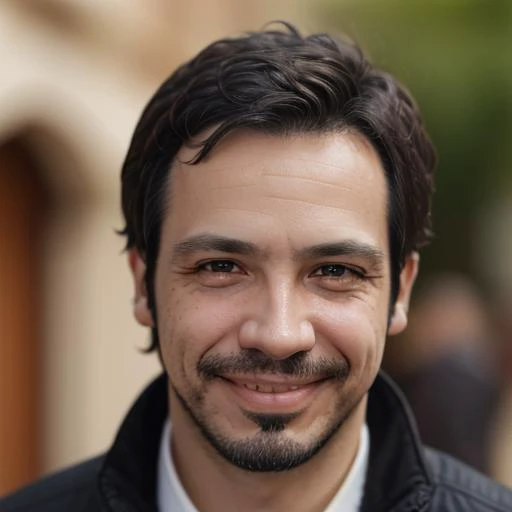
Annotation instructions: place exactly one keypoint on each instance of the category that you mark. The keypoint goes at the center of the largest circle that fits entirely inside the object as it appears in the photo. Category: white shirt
(172, 497)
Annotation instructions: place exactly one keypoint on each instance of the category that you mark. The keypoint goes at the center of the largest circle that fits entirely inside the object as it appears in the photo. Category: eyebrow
(373, 255)
(209, 243)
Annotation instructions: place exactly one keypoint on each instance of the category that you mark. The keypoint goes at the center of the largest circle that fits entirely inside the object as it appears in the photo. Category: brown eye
(333, 270)
(220, 266)
(337, 271)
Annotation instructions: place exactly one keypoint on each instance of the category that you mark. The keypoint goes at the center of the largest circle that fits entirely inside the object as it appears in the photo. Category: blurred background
(74, 76)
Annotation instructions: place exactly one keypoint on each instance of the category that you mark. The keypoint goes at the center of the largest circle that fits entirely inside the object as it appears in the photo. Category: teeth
(271, 388)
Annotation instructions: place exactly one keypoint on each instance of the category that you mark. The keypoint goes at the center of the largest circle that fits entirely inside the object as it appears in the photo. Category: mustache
(299, 365)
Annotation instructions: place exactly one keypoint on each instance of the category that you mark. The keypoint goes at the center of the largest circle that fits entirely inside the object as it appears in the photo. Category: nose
(278, 325)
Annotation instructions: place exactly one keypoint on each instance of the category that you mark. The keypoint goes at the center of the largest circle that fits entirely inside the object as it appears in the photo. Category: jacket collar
(397, 477)
(127, 481)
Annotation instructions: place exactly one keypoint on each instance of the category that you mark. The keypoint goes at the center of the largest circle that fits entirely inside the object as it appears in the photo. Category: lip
(273, 394)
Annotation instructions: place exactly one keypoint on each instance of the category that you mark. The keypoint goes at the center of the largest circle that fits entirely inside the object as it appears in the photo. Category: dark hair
(279, 82)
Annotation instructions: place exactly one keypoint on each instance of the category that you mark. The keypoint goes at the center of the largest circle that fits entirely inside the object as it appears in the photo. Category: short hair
(279, 82)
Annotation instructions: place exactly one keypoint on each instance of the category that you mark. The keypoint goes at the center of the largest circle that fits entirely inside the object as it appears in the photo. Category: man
(276, 191)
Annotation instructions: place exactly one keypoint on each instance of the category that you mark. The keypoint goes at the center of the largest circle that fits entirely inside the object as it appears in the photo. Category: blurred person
(450, 375)
(501, 424)
(276, 191)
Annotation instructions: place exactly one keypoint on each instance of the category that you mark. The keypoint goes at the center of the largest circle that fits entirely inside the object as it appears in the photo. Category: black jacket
(403, 476)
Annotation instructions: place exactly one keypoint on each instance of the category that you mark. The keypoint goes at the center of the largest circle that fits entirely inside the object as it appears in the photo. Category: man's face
(272, 292)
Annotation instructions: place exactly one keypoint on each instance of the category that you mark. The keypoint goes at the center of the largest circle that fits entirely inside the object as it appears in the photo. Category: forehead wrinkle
(313, 181)
(230, 187)
(252, 212)
(309, 163)
(304, 201)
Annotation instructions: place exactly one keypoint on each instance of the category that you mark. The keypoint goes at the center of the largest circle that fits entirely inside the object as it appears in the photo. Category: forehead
(305, 188)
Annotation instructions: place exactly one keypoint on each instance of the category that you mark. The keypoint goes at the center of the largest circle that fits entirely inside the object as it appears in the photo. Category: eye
(224, 266)
(219, 273)
(332, 270)
(338, 277)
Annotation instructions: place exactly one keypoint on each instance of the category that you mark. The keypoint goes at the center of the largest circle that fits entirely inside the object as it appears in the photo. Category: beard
(270, 449)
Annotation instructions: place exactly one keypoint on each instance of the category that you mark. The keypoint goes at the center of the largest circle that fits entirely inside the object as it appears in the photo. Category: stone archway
(24, 204)
(35, 195)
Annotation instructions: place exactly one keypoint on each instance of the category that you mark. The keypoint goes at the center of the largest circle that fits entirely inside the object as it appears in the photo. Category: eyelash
(358, 273)
(202, 266)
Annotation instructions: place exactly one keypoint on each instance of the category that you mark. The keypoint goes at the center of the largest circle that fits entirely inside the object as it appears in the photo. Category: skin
(273, 248)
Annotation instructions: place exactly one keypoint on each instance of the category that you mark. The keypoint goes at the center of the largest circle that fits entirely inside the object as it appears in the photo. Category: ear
(141, 310)
(408, 274)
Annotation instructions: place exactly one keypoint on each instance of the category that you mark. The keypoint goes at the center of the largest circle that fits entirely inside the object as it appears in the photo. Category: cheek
(358, 332)
(189, 326)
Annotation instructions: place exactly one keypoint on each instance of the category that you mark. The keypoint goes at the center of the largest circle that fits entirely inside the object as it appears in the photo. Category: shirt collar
(170, 493)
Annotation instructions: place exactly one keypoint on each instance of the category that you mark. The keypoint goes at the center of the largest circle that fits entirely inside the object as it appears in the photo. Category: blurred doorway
(23, 212)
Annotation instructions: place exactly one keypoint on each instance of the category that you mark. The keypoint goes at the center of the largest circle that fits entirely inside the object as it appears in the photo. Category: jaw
(285, 432)
(214, 483)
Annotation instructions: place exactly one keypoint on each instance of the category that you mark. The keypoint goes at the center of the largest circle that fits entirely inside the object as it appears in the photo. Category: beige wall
(73, 79)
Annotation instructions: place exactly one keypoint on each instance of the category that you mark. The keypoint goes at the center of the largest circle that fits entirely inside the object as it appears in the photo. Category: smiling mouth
(271, 394)
(270, 386)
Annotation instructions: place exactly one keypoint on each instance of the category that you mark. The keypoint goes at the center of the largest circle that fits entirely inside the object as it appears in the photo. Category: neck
(214, 484)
